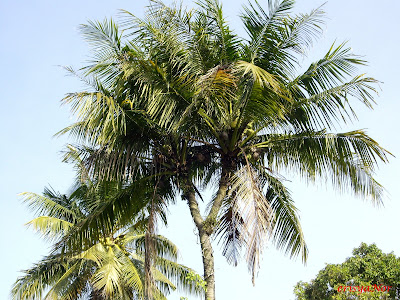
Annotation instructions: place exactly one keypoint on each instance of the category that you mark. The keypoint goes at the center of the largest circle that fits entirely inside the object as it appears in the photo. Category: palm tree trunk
(208, 265)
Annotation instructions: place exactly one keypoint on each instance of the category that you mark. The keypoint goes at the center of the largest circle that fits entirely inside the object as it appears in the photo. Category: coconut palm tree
(113, 268)
(178, 99)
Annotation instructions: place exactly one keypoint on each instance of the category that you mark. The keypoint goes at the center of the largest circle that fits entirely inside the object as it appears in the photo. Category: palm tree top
(112, 268)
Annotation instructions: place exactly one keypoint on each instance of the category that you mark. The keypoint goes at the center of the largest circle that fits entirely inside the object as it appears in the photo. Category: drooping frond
(34, 282)
(94, 108)
(254, 210)
(348, 159)
(231, 230)
(287, 233)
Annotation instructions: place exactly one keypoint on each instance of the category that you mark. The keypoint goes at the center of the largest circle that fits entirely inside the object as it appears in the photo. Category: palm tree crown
(113, 268)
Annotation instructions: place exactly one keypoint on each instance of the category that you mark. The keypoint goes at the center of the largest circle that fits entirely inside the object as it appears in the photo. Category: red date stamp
(364, 289)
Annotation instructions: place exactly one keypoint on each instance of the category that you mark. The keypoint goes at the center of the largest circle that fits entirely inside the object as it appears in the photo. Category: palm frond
(107, 277)
(260, 23)
(34, 282)
(333, 105)
(92, 109)
(348, 159)
(219, 28)
(287, 234)
(51, 228)
(251, 206)
(57, 206)
(329, 71)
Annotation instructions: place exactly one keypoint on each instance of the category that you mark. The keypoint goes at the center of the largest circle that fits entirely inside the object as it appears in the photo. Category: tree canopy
(367, 267)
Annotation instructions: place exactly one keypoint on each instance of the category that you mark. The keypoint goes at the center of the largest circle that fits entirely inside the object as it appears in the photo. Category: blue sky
(39, 36)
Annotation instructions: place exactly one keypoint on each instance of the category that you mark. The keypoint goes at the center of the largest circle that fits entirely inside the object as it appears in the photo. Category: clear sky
(38, 36)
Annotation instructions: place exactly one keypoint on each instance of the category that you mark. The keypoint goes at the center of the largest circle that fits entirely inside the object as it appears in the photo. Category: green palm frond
(93, 107)
(300, 31)
(261, 76)
(260, 23)
(332, 69)
(50, 227)
(164, 247)
(62, 286)
(347, 158)
(102, 220)
(57, 206)
(105, 41)
(287, 233)
(107, 277)
(33, 284)
(332, 105)
(218, 27)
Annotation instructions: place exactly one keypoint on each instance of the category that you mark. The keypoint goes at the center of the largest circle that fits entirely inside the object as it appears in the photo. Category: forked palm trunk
(206, 227)
(205, 242)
